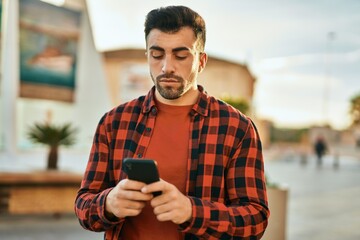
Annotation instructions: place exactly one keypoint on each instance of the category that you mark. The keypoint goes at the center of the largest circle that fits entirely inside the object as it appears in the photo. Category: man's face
(174, 63)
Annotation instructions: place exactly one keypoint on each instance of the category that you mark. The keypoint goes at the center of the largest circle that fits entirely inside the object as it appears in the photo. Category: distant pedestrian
(320, 149)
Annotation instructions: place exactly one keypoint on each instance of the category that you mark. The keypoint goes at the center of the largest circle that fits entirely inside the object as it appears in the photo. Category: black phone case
(142, 170)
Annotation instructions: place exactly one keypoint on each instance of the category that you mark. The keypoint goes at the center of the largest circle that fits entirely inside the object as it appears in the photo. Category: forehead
(185, 37)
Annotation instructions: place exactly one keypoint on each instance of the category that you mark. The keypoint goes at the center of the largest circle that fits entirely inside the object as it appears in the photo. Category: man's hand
(171, 205)
(126, 199)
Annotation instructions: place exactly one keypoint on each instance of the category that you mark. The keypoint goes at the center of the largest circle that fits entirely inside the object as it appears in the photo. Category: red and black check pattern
(225, 182)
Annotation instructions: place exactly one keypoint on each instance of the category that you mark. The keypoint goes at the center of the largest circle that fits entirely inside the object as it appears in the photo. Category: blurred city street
(292, 67)
(323, 203)
(323, 200)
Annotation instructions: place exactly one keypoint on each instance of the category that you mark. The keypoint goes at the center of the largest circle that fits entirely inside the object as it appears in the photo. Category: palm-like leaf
(52, 135)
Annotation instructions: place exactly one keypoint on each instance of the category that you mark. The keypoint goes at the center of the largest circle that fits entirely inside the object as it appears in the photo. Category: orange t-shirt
(169, 146)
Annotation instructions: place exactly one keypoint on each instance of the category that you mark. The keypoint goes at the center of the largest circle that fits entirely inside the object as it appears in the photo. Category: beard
(169, 92)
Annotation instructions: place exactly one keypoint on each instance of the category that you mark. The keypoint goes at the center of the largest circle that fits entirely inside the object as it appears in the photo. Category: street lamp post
(327, 79)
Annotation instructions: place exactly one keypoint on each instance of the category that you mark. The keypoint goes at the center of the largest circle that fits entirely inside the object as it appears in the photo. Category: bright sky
(305, 54)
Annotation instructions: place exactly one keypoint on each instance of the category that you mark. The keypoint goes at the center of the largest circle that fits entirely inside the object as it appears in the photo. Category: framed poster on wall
(48, 50)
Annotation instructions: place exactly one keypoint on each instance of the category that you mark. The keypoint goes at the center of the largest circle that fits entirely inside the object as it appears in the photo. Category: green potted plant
(53, 136)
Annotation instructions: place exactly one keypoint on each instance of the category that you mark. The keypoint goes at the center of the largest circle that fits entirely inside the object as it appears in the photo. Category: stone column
(10, 73)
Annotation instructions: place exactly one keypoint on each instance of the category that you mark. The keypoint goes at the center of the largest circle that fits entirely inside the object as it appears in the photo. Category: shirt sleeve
(95, 186)
(245, 214)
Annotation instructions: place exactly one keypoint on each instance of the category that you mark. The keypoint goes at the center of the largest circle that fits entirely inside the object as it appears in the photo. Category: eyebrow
(178, 49)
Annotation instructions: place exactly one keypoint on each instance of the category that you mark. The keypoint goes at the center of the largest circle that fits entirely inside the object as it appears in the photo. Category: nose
(168, 65)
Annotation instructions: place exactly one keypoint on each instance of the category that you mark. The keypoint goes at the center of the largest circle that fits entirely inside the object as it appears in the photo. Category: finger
(160, 200)
(166, 198)
(120, 213)
(136, 205)
(134, 195)
(163, 208)
(125, 208)
(175, 216)
(160, 186)
(166, 216)
(128, 184)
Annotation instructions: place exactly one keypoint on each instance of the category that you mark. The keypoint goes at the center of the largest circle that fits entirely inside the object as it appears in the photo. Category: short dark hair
(171, 19)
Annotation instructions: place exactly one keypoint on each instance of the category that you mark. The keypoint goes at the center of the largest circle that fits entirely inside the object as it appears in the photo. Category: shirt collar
(200, 107)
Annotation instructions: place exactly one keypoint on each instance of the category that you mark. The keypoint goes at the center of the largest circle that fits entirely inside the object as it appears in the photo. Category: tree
(240, 104)
(53, 136)
(355, 109)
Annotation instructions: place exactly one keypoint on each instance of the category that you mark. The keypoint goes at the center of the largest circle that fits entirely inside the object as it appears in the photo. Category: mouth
(168, 81)
(169, 78)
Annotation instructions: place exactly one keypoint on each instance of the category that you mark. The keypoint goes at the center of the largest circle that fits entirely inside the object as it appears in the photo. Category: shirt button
(139, 155)
(148, 129)
(153, 111)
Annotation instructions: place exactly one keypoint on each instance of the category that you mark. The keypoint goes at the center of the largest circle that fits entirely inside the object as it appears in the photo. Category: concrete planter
(277, 197)
(49, 192)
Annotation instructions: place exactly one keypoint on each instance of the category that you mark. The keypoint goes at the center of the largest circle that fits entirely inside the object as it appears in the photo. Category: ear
(202, 61)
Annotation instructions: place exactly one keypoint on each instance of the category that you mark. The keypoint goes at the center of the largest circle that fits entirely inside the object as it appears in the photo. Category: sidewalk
(44, 228)
(324, 204)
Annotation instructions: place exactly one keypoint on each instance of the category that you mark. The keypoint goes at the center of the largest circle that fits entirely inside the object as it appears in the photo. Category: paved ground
(44, 228)
(324, 204)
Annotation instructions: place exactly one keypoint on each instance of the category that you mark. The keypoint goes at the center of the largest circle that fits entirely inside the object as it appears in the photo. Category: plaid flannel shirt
(225, 181)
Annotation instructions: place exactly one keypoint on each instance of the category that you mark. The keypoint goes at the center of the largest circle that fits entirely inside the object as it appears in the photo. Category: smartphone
(142, 170)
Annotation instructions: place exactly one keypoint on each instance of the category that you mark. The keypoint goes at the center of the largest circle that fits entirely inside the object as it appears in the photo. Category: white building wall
(91, 99)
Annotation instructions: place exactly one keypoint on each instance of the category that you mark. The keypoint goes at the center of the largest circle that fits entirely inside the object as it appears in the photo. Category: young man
(208, 153)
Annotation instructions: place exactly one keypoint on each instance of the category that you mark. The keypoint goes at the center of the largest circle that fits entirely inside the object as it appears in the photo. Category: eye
(180, 57)
(157, 54)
